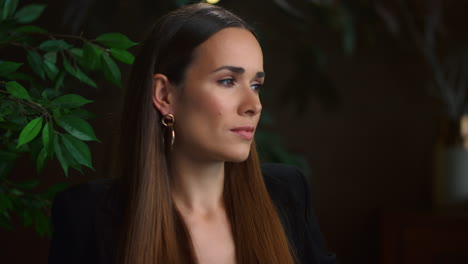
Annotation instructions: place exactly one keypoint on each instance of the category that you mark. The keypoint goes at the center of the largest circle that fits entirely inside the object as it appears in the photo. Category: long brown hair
(153, 232)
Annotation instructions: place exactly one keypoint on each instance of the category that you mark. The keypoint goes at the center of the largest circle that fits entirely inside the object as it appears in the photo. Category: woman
(191, 189)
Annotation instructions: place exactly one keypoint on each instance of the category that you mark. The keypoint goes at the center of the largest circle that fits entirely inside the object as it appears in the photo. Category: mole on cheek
(218, 111)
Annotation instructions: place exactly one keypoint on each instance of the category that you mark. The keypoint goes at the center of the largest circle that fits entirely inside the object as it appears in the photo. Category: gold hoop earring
(168, 121)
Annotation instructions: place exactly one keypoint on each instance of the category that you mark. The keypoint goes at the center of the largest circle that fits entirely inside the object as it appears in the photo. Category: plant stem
(57, 35)
(39, 108)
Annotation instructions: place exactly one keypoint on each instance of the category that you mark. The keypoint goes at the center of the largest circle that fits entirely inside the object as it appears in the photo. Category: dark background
(369, 138)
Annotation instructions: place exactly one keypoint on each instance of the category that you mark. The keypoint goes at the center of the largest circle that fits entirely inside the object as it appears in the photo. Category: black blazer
(86, 218)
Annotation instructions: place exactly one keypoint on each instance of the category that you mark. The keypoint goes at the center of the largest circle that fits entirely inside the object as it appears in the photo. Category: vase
(451, 161)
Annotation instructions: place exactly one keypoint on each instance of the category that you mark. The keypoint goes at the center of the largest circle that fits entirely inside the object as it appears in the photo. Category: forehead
(230, 46)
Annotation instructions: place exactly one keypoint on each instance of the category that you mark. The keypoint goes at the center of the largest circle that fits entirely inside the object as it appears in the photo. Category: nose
(250, 105)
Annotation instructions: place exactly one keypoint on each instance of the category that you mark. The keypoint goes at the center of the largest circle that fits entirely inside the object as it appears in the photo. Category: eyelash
(229, 82)
(225, 82)
(258, 87)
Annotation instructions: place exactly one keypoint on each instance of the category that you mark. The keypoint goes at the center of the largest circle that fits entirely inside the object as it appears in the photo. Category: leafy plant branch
(450, 77)
(38, 115)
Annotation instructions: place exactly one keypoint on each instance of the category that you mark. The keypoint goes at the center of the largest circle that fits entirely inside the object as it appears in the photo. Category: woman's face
(218, 107)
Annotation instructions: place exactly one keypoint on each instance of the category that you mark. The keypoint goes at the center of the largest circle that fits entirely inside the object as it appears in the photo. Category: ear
(163, 94)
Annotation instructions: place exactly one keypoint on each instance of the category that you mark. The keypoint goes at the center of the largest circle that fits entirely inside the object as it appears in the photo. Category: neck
(197, 186)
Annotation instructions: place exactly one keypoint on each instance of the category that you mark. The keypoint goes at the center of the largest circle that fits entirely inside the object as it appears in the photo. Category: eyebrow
(238, 70)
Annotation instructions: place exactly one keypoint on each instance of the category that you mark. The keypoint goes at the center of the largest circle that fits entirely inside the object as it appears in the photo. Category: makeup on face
(220, 107)
(245, 132)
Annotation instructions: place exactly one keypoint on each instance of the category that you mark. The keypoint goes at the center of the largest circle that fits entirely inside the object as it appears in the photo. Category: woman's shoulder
(87, 199)
(89, 190)
(83, 199)
(285, 183)
(290, 192)
(80, 216)
(281, 173)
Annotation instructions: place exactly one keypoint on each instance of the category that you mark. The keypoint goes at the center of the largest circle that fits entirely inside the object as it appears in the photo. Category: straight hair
(153, 231)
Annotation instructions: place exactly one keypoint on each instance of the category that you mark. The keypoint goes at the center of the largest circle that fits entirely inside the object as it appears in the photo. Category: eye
(257, 87)
(228, 82)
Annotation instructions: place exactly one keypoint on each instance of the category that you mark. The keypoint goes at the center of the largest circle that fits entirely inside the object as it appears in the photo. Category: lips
(245, 132)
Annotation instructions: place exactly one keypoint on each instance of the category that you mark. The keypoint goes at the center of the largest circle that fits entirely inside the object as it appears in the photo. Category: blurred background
(367, 97)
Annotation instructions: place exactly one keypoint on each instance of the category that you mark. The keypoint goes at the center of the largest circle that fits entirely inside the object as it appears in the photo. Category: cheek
(212, 107)
(205, 112)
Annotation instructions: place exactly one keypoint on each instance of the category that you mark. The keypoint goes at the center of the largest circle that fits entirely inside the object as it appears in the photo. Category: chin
(237, 157)
(237, 160)
(231, 153)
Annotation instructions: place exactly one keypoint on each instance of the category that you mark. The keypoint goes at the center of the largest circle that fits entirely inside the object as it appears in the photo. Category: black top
(85, 219)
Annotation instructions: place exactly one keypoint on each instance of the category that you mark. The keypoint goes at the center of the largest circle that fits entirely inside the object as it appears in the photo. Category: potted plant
(39, 114)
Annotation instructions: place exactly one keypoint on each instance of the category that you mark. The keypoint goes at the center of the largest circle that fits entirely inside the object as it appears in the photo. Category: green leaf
(8, 67)
(81, 113)
(17, 90)
(7, 26)
(122, 55)
(48, 93)
(111, 70)
(29, 13)
(27, 217)
(48, 137)
(35, 61)
(41, 158)
(5, 202)
(30, 29)
(16, 192)
(77, 167)
(9, 8)
(78, 56)
(42, 225)
(51, 56)
(51, 70)
(77, 73)
(20, 76)
(8, 156)
(70, 100)
(59, 81)
(115, 40)
(68, 67)
(78, 149)
(54, 45)
(62, 156)
(91, 56)
(30, 131)
(77, 52)
(54, 189)
(80, 75)
(28, 185)
(7, 159)
(35, 88)
(72, 163)
(76, 127)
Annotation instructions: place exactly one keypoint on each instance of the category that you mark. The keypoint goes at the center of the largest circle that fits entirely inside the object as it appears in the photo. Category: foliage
(445, 54)
(308, 18)
(38, 115)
